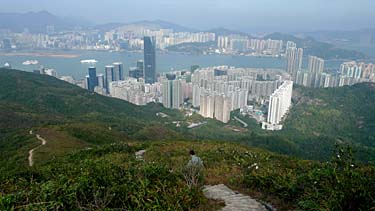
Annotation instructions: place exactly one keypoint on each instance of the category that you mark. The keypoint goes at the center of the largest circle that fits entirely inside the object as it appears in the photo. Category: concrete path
(233, 201)
(31, 152)
(240, 121)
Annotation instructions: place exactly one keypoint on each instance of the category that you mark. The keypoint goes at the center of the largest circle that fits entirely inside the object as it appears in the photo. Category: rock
(139, 155)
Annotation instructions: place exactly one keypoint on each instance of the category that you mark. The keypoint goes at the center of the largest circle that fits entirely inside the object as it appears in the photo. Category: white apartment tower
(294, 58)
(172, 94)
(280, 102)
(316, 64)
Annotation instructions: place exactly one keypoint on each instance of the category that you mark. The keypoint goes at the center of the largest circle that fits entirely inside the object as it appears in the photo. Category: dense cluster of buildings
(315, 76)
(219, 90)
(135, 91)
(214, 92)
(237, 43)
(130, 37)
(75, 40)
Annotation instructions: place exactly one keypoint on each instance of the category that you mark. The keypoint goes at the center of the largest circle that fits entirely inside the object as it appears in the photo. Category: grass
(58, 144)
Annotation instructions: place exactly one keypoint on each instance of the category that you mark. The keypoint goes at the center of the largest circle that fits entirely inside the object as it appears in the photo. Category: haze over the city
(245, 15)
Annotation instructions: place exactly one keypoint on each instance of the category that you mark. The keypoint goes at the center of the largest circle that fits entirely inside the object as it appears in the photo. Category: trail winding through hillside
(31, 152)
(233, 201)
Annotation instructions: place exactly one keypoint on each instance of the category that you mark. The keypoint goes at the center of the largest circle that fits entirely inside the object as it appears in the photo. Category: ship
(89, 61)
(30, 62)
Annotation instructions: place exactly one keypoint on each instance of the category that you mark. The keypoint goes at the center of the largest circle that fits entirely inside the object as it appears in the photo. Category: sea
(166, 62)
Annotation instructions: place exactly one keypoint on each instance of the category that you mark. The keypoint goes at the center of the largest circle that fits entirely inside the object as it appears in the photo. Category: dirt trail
(31, 152)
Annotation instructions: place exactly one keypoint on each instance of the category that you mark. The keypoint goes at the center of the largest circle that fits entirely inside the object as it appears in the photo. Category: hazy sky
(247, 15)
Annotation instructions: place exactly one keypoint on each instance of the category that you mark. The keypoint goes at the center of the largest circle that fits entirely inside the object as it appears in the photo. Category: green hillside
(88, 160)
(323, 116)
(319, 118)
(108, 177)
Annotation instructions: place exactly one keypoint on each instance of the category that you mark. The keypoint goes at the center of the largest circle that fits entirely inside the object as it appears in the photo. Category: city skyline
(294, 16)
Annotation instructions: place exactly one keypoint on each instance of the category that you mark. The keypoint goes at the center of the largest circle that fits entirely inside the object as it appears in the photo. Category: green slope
(323, 116)
(318, 119)
(29, 99)
(88, 161)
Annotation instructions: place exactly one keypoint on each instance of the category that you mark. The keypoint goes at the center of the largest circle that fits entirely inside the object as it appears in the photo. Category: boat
(30, 62)
(89, 61)
(7, 65)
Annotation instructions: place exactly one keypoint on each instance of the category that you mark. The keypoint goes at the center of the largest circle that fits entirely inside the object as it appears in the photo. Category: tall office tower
(280, 102)
(92, 80)
(118, 71)
(294, 58)
(140, 65)
(149, 60)
(134, 72)
(109, 75)
(316, 64)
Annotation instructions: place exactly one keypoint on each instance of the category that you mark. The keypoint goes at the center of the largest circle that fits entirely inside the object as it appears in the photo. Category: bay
(165, 61)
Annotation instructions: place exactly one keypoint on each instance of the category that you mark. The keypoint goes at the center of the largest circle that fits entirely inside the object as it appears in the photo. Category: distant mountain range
(33, 21)
(361, 38)
(36, 22)
(317, 48)
(223, 32)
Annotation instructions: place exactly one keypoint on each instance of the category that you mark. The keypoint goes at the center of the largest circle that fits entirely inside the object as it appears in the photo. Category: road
(31, 152)
(240, 121)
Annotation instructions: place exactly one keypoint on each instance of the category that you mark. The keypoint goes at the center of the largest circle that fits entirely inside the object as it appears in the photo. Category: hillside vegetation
(108, 177)
(88, 161)
(319, 119)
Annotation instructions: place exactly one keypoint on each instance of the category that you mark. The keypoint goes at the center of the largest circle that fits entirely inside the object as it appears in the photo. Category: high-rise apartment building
(294, 58)
(316, 64)
(101, 81)
(279, 104)
(351, 69)
(172, 93)
(207, 108)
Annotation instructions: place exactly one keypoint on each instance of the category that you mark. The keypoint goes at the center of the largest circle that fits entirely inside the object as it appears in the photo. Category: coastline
(40, 54)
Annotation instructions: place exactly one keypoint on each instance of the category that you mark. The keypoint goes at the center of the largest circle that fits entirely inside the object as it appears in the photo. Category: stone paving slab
(233, 201)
